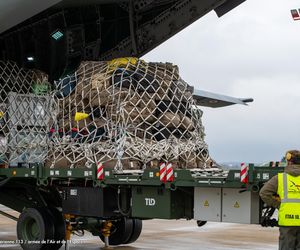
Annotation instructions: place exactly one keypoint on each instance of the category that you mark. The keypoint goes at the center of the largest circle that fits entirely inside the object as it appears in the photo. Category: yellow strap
(122, 62)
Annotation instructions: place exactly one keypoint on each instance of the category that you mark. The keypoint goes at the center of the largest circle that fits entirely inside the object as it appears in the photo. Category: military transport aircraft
(54, 35)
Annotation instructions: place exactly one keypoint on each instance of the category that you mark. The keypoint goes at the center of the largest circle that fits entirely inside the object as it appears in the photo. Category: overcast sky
(253, 51)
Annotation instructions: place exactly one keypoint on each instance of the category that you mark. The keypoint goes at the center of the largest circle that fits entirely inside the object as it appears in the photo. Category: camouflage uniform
(289, 238)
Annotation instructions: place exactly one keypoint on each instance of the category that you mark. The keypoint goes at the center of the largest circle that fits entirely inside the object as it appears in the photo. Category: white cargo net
(125, 114)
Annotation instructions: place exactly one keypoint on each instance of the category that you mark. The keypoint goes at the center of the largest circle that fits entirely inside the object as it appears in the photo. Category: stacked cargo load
(24, 115)
(125, 114)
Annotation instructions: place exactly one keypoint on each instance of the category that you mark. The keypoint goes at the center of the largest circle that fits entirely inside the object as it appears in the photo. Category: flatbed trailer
(117, 204)
(55, 202)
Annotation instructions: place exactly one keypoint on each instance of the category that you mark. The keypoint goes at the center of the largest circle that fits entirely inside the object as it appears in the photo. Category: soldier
(283, 192)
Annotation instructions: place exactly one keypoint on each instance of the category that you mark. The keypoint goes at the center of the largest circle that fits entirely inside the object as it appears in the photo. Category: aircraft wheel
(136, 231)
(59, 228)
(34, 228)
(121, 232)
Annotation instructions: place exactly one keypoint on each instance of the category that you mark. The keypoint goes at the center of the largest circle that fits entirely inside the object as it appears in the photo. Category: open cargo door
(56, 40)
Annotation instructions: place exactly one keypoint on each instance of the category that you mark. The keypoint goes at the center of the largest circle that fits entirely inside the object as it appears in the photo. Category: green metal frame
(183, 177)
(37, 186)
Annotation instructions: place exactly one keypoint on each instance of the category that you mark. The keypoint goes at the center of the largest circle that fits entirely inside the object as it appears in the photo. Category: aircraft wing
(13, 12)
(213, 100)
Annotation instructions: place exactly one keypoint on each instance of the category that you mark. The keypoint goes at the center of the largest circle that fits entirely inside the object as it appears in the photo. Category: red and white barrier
(100, 171)
(244, 173)
(166, 172)
(170, 172)
(163, 172)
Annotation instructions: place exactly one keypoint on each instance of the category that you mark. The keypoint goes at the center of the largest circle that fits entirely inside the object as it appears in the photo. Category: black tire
(201, 223)
(35, 226)
(136, 232)
(59, 228)
(121, 232)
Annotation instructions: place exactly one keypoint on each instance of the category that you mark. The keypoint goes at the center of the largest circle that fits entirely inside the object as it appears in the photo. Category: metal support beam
(132, 28)
(164, 26)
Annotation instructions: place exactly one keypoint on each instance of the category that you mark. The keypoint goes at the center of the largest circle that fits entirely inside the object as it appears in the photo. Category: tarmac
(169, 234)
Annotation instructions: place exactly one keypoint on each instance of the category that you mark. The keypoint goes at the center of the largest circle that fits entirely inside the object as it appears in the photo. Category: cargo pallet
(62, 200)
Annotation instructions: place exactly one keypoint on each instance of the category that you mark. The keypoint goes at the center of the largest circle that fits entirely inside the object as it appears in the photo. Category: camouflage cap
(293, 156)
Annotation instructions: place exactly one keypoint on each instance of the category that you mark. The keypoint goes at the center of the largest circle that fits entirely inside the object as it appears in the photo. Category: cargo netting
(125, 113)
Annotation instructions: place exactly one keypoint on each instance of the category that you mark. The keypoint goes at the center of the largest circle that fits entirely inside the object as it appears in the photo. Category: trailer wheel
(136, 231)
(35, 226)
(121, 232)
(59, 228)
(201, 223)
